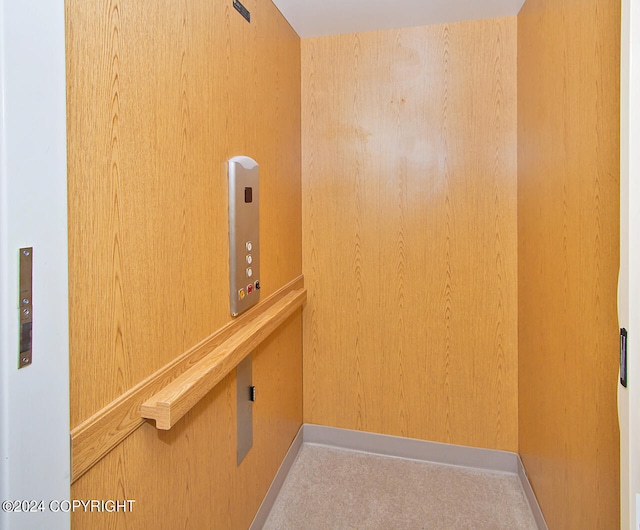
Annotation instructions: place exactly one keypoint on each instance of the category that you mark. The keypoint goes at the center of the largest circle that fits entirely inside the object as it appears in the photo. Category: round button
(249, 272)
(249, 246)
(249, 259)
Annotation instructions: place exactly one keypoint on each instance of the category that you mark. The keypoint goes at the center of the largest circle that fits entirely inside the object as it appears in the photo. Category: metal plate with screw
(26, 306)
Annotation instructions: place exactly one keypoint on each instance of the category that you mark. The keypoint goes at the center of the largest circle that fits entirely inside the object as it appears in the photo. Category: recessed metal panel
(245, 397)
(244, 234)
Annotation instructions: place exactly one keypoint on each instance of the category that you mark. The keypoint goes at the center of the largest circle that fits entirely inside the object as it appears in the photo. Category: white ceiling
(313, 18)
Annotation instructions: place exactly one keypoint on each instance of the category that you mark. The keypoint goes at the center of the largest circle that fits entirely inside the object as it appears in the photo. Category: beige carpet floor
(333, 489)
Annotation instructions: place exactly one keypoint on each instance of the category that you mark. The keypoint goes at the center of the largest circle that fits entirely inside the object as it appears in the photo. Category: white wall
(629, 284)
(34, 401)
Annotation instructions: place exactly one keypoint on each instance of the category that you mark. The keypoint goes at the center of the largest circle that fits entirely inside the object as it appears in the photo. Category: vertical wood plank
(568, 233)
(409, 232)
(160, 94)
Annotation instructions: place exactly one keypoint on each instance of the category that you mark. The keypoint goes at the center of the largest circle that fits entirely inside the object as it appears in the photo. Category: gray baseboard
(398, 447)
(278, 481)
(412, 449)
(531, 497)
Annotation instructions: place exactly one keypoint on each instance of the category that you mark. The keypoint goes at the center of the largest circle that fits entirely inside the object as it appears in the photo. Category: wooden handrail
(96, 436)
(176, 399)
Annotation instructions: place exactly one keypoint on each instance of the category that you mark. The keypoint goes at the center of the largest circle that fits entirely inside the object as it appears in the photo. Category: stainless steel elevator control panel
(244, 234)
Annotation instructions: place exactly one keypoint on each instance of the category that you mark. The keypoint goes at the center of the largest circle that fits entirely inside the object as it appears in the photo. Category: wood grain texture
(187, 477)
(568, 233)
(99, 434)
(160, 95)
(409, 232)
(171, 403)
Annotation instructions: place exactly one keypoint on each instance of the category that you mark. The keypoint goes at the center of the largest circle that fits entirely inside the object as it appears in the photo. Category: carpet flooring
(334, 489)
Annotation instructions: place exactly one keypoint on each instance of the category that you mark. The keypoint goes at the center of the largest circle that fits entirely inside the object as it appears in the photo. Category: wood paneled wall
(160, 95)
(409, 232)
(568, 233)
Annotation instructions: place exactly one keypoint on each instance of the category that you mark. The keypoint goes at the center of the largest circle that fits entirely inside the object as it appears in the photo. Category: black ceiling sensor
(242, 10)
